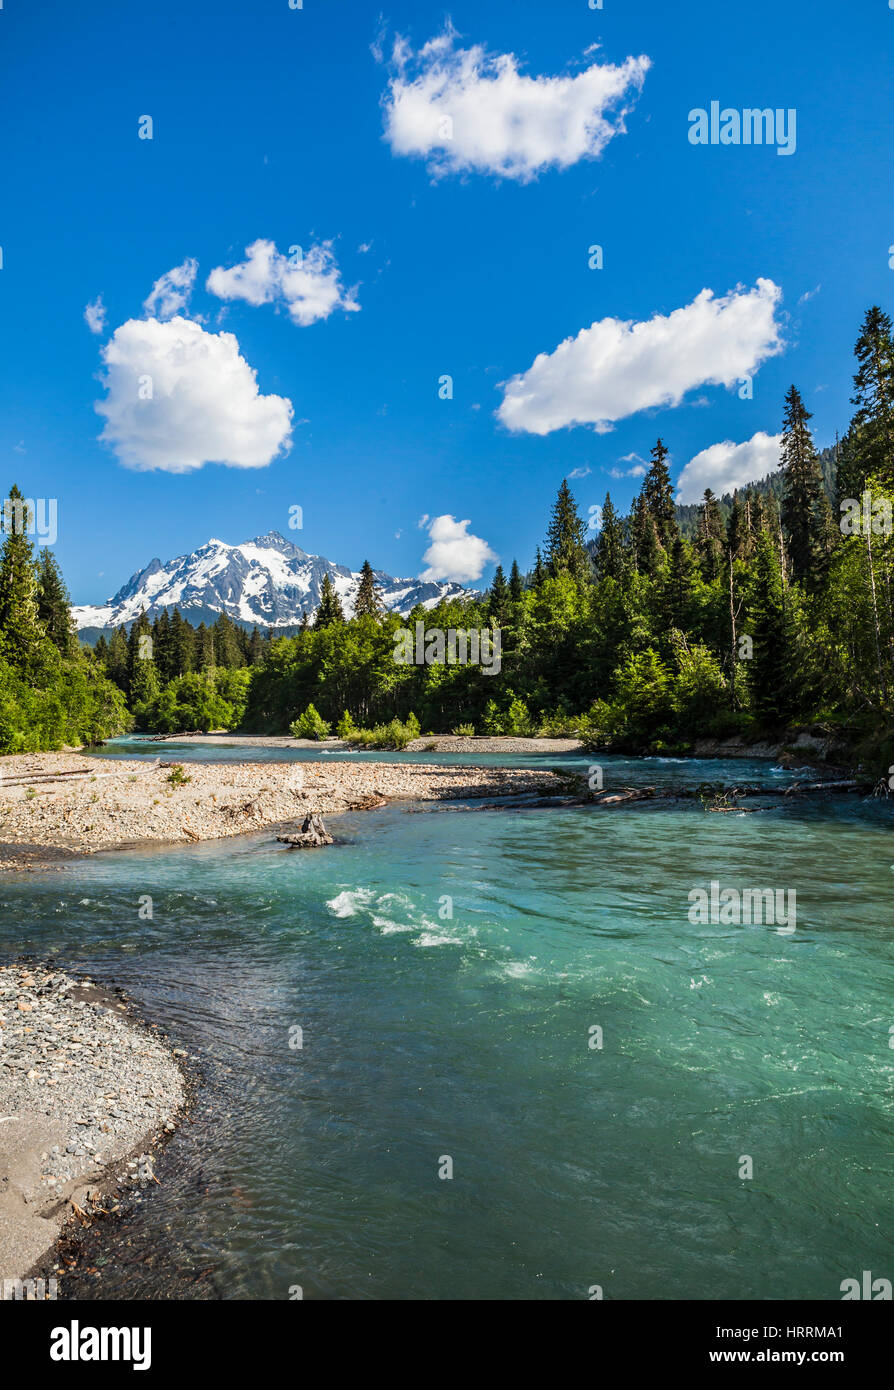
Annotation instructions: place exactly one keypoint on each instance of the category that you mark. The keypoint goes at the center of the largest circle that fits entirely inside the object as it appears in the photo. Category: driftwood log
(313, 834)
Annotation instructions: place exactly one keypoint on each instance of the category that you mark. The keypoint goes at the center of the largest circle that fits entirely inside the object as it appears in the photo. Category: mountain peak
(265, 582)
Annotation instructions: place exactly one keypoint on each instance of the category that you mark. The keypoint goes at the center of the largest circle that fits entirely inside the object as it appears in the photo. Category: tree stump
(312, 836)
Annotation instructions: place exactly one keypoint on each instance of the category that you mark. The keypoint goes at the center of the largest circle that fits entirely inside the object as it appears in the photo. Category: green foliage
(195, 703)
(393, 736)
(346, 726)
(464, 731)
(53, 694)
(177, 777)
(310, 724)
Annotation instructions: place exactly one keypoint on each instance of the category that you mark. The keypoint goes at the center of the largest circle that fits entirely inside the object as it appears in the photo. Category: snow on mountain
(266, 581)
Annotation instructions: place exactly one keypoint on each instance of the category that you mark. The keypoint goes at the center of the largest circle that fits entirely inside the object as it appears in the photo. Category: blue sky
(268, 124)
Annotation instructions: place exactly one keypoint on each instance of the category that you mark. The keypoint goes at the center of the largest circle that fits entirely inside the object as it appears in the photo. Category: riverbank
(429, 743)
(55, 805)
(86, 1093)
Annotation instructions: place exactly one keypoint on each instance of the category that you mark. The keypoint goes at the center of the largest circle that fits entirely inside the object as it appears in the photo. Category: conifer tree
(801, 503)
(54, 605)
(330, 610)
(142, 675)
(770, 668)
(182, 645)
(735, 528)
(647, 551)
(658, 497)
(710, 536)
(499, 593)
(610, 545)
(539, 572)
(21, 632)
(566, 541)
(678, 588)
(116, 659)
(516, 586)
(873, 424)
(367, 603)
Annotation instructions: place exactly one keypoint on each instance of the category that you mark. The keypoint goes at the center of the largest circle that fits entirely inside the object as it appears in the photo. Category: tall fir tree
(658, 497)
(330, 610)
(870, 450)
(516, 585)
(610, 545)
(710, 537)
(21, 632)
(142, 675)
(54, 605)
(367, 603)
(566, 542)
(802, 498)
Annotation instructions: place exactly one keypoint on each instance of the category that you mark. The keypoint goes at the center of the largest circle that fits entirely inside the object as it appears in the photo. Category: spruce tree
(539, 572)
(182, 658)
(330, 610)
(54, 605)
(658, 497)
(610, 545)
(142, 675)
(367, 603)
(873, 422)
(499, 593)
(566, 542)
(516, 586)
(21, 632)
(803, 479)
(710, 536)
(770, 668)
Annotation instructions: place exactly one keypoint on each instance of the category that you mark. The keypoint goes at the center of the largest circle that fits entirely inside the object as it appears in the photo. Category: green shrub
(345, 726)
(392, 736)
(464, 731)
(310, 724)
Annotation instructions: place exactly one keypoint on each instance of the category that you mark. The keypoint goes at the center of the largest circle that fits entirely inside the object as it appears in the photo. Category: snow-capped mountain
(266, 581)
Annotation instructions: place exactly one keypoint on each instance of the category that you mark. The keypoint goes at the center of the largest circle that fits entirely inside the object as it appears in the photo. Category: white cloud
(205, 406)
(171, 291)
(453, 553)
(465, 109)
(615, 368)
(726, 466)
(809, 294)
(307, 282)
(95, 315)
(583, 472)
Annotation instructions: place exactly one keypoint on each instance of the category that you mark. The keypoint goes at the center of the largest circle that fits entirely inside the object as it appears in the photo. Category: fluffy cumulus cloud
(464, 109)
(171, 291)
(307, 282)
(615, 367)
(95, 315)
(453, 553)
(179, 397)
(726, 466)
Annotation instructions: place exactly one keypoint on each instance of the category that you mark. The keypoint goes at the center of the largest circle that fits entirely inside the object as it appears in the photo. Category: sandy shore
(55, 805)
(83, 1086)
